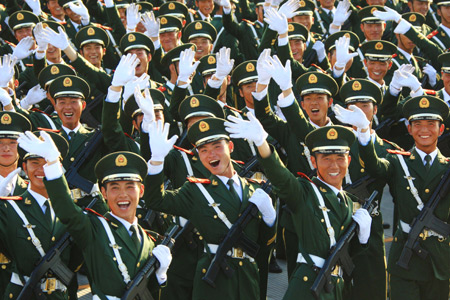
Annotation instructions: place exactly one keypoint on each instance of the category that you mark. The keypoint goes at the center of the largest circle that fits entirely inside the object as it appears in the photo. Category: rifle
(137, 288)
(359, 187)
(86, 116)
(249, 165)
(185, 235)
(426, 220)
(50, 263)
(339, 255)
(72, 176)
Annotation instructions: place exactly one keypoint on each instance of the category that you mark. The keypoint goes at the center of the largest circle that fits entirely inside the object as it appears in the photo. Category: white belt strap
(307, 154)
(191, 92)
(396, 63)
(318, 261)
(214, 205)
(325, 211)
(36, 242)
(50, 121)
(427, 233)
(95, 297)
(187, 163)
(361, 56)
(438, 41)
(255, 34)
(217, 38)
(348, 180)
(122, 267)
(408, 177)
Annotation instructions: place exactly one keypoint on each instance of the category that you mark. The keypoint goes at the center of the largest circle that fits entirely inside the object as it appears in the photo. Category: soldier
(76, 15)
(195, 200)
(92, 43)
(419, 170)
(56, 11)
(205, 10)
(427, 9)
(113, 245)
(202, 34)
(176, 9)
(170, 32)
(378, 61)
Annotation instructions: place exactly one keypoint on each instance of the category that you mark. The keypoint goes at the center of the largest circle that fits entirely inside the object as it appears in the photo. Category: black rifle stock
(426, 220)
(339, 256)
(137, 289)
(50, 263)
(359, 187)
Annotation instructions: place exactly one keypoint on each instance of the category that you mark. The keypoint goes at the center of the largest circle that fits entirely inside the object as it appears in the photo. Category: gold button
(139, 216)
(3, 267)
(11, 295)
(305, 278)
(200, 238)
(28, 238)
(114, 258)
(338, 280)
(322, 220)
(75, 201)
(138, 264)
(165, 216)
(53, 239)
(203, 271)
(407, 188)
(241, 263)
(92, 97)
(342, 227)
(215, 216)
(427, 191)
(362, 170)
(395, 239)
(72, 158)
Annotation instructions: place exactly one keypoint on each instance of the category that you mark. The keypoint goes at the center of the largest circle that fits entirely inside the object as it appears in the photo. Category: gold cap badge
(131, 38)
(194, 102)
(198, 26)
(250, 67)
(19, 16)
(347, 35)
(203, 126)
(211, 60)
(412, 18)
(302, 3)
(44, 25)
(312, 78)
(424, 103)
(379, 46)
(332, 134)
(121, 160)
(290, 27)
(67, 82)
(91, 31)
(373, 10)
(6, 119)
(163, 21)
(54, 70)
(171, 6)
(356, 86)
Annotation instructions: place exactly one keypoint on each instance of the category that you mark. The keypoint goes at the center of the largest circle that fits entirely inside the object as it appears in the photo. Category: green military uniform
(307, 201)
(225, 39)
(71, 27)
(90, 230)
(175, 9)
(425, 278)
(190, 203)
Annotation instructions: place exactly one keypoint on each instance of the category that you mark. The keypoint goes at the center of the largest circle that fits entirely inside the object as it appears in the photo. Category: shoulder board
(15, 198)
(29, 65)
(62, 22)
(358, 7)
(162, 89)
(49, 130)
(394, 55)
(240, 162)
(129, 136)
(150, 235)
(233, 109)
(429, 36)
(394, 145)
(192, 11)
(39, 111)
(184, 150)
(2, 6)
(9, 43)
(303, 175)
(198, 180)
(156, 8)
(255, 181)
(430, 92)
(398, 152)
(248, 21)
(319, 68)
(95, 213)
(102, 26)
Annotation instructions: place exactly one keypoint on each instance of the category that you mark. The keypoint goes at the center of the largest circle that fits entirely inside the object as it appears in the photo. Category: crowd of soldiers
(168, 149)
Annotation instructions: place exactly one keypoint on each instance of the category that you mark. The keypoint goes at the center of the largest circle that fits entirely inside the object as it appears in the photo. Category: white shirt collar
(39, 198)
(260, 23)
(57, 20)
(252, 110)
(381, 86)
(406, 54)
(333, 10)
(75, 25)
(334, 189)
(236, 183)
(317, 126)
(204, 18)
(67, 130)
(13, 182)
(446, 95)
(446, 29)
(170, 85)
(51, 63)
(125, 223)
(423, 154)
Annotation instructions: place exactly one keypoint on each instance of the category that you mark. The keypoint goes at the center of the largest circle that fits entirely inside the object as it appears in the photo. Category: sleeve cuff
(113, 97)
(259, 96)
(215, 84)
(184, 86)
(53, 171)
(418, 93)
(157, 44)
(39, 55)
(227, 10)
(282, 41)
(154, 170)
(286, 101)
(402, 27)
(364, 137)
(338, 73)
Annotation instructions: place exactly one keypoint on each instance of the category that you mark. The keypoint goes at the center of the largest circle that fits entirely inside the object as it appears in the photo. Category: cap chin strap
(15, 161)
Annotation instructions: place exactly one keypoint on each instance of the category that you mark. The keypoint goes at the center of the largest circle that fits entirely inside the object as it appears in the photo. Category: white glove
(319, 47)
(39, 35)
(6, 70)
(159, 144)
(226, 4)
(35, 6)
(251, 130)
(125, 70)
(35, 95)
(23, 48)
(59, 40)
(163, 255)
(264, 203)
(44, 148)
(276, 21)
(187, 65)
(353, 116)
(80, 9)
(388, 15)
(6, 187)
(399, 78)
(262, 67)
(224, 63)
(431, 73)
(343, 56)
(133, 17)
(276, 2)
(109, 3)
(364, 220)
(5, 98)
(145, 103)
(151, 24)
(139, 82)
(342, 13)
(281, 75)
(288, 8)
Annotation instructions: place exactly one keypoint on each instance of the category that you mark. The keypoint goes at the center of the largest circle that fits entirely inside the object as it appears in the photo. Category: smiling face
(69, 110)
(23, 33)
(123, 198)
(420, 7)
(94, 53)
(53, 54)
(205, 6)
(169, 40)
(73, 16)
(298, 47)
(144, 59)
(55, 9)
(425, 134)
(8, 152)
(305, 20)
(377, 69)
(331, 168)
(34, 168)
(246, 91)
(204, 46)
(373, 31)
(316, 106)
(215, 156)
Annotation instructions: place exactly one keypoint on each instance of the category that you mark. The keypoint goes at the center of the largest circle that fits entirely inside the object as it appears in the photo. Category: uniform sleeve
(97, 77)
(431, 50)
(375, 166)
(297, 121)
(178, 95)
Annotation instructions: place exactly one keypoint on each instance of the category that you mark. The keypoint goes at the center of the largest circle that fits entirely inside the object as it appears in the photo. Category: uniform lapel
(34, 213)
(221, 192)
(247, 191)
(439, 163)
(414, 162)
(122, 233)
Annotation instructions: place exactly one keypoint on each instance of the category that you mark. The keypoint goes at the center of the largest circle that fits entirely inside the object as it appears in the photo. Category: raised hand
(125, 70)
(224, 63)
(44, 147)
(160, 145)
(251, 130)
(6, 70)
(187, 65)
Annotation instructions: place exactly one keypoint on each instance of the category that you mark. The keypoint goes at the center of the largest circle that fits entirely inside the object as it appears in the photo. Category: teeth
(68, 114)
(40, 177)
(334, 174)
(377, 73)
(123, 203)
(314, 110)
(424, 136)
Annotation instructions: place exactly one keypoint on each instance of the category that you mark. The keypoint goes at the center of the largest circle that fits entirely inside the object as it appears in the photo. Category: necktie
(71, 135)
(342, 201)
(232, 190)
(135, 237)
(427, 162)
(48, 212)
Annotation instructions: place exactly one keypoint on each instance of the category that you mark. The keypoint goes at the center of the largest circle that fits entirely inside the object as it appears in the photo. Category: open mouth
(39, 177)
(214, 163)
(68, 115)
(424, 136)
(315, 110)
(333, 174)
(123, 204)
(199, 51)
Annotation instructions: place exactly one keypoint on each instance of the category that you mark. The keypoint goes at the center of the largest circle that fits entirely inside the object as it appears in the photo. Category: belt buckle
(425, 234)
(3, 259)
(50, 285)
(238, 253)
(76, 194)
(336, 271)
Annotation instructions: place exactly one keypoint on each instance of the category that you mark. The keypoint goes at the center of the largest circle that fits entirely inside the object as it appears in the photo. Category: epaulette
(2, 6)
(240, 162)
(319, 68)
(150, 235)
(15, 198)
(394, 145)
(9, 43)
(248, 21)
(95, 213)
(28, 65)
(358, 7)
(303, 175)
(102, 26)
(192, 11)
(198, 180)
(129, 136)
(39, 111)
(433, 33)
(184, 150)
(62, 22)
(394, 55)
(233, 109)
(429, 92)
(49, 130)
(162, 89)
(398, 152)
(260, 182)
